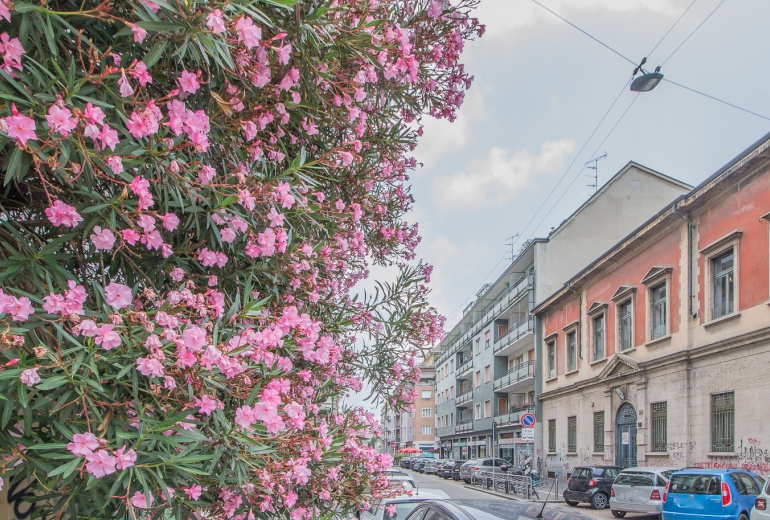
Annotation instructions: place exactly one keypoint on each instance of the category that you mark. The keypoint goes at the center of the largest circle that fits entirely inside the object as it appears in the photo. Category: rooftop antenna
(595, 167)
(510, 242)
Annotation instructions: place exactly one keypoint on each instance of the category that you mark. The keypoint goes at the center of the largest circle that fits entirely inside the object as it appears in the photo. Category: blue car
(711, 494)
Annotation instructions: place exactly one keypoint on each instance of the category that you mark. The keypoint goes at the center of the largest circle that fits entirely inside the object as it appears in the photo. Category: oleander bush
(191, 191)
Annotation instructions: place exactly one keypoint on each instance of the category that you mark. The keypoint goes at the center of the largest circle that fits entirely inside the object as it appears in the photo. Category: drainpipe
(692, 313)
(580, 320)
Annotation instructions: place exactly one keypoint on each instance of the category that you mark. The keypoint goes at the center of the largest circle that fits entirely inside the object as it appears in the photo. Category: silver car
(639, 490)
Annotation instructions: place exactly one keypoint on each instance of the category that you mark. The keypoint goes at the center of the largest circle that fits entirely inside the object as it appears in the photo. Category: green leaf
(67, 468)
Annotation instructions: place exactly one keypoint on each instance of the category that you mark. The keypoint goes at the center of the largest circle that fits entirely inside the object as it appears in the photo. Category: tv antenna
(510, 242)
(593, 165)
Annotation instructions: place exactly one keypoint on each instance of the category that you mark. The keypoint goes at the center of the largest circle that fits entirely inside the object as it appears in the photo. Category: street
(459, 489)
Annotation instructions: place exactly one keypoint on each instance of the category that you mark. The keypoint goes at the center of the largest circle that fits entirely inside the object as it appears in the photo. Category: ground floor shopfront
(508, 445)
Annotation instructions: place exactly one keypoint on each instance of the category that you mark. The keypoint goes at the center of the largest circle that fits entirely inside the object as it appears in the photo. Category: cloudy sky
(547, 98)
(542, 88)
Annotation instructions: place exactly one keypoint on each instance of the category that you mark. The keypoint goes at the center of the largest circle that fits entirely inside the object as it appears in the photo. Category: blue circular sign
(527, 420)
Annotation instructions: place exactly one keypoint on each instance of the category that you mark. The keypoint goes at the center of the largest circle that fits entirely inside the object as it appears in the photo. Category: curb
(494, 493)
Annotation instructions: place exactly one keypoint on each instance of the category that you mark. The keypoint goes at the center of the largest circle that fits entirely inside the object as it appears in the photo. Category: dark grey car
(592, 484)
(475, 509)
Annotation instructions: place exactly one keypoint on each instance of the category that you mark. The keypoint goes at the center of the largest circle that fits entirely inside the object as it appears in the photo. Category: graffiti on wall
(18, 495)
(751, 456)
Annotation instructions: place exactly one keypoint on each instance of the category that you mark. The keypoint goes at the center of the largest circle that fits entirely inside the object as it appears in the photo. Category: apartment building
(656, 353)
(486, 364)
(414, 429)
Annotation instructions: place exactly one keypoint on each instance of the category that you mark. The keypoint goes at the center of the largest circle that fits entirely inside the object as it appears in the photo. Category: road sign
(528, 434)
(392, 444)
(527, 420)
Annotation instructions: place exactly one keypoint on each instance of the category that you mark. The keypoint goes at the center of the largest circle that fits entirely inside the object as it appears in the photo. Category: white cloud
(500, 175)
(500, 16)
(440, 136)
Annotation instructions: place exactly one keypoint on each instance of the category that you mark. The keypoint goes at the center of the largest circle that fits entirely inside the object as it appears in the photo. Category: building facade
(656, 353)
(414, 429)
(487, 363)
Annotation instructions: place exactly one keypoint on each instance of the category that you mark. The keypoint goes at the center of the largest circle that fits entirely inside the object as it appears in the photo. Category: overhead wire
(672, 27)
(716, 99)
(581, 170)
(693, 32)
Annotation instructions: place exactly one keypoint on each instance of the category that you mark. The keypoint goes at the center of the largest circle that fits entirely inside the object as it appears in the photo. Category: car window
(580, 473)
(402, 510)
(635, 479)
(611, 473)
(749, 486)
(597, 472)
(760, 481)
(500, 462)
(668, 473)
(695, 484)
(433, 514)
(660, 481)
(418, 515)
(487, 462)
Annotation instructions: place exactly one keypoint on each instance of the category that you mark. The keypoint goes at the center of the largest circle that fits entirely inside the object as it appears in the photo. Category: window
(723, 422)
(478, 378)
(487, 409)
(658, 311)
(625, 325)
(478, 346)
(478, 411)
(552, 435)
(426, 412)
(598, 432)
(487, 342)
(723, 286)
(572, 434)
(598, 337)
(487, 373)
(659, 420)
(722, 262)
(571, 351)
(452, 419)
(551, 353)
(426, 394)
(426, 430)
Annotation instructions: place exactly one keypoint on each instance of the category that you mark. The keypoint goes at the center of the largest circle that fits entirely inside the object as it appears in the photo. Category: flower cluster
(194, 192)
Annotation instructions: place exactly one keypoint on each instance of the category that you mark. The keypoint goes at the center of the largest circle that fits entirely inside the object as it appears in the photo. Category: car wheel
(618, 514)
(743, 517)
(570, 502)
(599, 501)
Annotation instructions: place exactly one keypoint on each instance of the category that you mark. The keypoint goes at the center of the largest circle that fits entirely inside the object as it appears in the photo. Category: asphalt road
(458, 489)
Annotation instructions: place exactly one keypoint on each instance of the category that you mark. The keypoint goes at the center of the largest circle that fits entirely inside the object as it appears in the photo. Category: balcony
(465, 370)
(512, 416)
(464, 426)
(464, 399)
(517, 378)
(517, 336)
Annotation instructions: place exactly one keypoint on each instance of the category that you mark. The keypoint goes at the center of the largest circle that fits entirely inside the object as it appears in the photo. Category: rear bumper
(667, 515)
(579, 496)
(636, 507)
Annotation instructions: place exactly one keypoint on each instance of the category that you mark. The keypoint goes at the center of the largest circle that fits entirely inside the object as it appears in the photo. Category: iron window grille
(659, 420)
(552, 435)
(572, 434)
(723, 422)
(598, 431)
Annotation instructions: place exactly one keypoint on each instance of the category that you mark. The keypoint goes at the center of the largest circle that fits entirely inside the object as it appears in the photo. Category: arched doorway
(626, 436)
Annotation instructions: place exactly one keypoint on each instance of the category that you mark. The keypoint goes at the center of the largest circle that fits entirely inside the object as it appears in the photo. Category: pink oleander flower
(100, 463)
(215, 22)
(150, 367)
(194, 338)
(248, 33)
(139, 33)
(83, 444)
(118, 295)
(103, 239)
(140, 74)
(124, 87)
(61, 214)
(177, 274)
(107, 337)
(30, 377)
(170, 221)
(130, 236)
(189, 82)
(124, 459)
(194, 492)
(115, 163)
(20, 127)
(60, 120)
(139, 501)
(19, 308)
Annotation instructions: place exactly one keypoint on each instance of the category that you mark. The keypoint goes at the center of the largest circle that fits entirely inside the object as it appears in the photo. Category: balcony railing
(497, 308)
(464, 426)
(513, 415)
(465, 367)
(516, 331)
(465, 398)
(518, 373)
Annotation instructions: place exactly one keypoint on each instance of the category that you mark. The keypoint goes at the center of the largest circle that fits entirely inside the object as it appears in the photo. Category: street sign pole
(495, 452)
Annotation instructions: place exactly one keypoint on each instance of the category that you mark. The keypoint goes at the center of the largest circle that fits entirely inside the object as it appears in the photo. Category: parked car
(475, 467)
(478, 509)
(761, 511)
(406, 462)
(591, 484)
(446, 469)
(395, 476)
(639, 490)
(404, 504)
(456, 469)
(711, 494)
(433, 467)
(419, 465)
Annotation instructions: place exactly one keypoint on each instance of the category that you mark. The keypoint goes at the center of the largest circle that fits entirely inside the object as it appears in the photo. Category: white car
(761, 509)
(395, 477)
(401, 505)
(639, 490)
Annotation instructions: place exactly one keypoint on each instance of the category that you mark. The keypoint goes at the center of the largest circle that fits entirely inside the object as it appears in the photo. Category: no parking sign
(527, 420)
